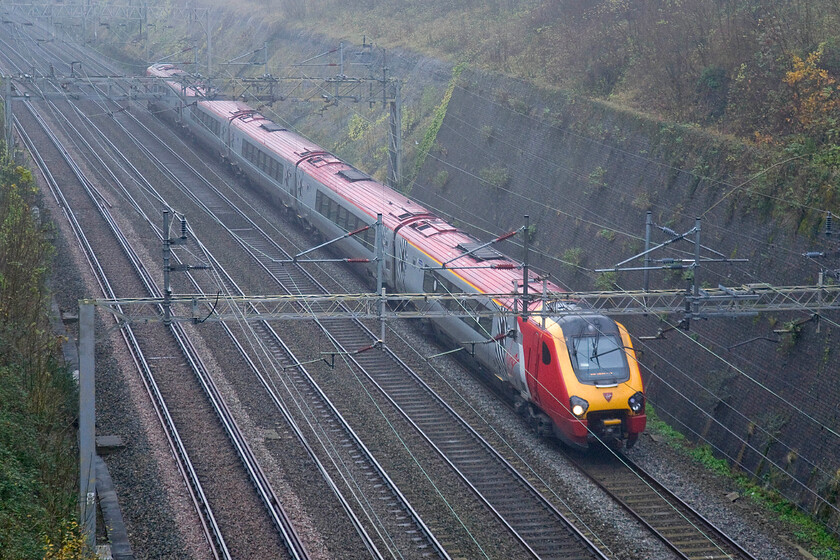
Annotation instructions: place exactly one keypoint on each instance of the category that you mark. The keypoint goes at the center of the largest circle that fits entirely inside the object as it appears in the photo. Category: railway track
(392, 516)
(538, 525)
(447, 438)
(215, 536)
(690, 535)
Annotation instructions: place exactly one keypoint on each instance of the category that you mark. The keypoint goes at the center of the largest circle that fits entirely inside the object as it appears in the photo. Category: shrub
(573, 257)
(497, 176)
(441, 178)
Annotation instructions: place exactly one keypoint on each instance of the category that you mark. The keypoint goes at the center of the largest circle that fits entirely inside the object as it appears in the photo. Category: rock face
(586, 173)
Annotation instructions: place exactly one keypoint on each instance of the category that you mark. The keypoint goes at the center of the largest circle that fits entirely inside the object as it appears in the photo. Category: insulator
(828, 224)
(813, 254)
(183, 228)
(669, 231)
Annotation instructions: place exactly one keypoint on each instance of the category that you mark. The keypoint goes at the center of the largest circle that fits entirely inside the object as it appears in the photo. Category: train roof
(164, 70)
(172, 71)
(487, 270)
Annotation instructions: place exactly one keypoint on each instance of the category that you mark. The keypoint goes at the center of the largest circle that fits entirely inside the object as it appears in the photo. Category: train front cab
(583, 374)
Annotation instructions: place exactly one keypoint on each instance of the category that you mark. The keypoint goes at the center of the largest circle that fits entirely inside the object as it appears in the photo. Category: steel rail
(327, 406)
(407, 507)
(207, 387)
(264, 490)
(210, 527)
(329, 415)
(674, 522)
(591, 549)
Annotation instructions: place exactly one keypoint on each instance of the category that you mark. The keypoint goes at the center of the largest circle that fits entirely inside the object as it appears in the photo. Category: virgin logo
(608, 396)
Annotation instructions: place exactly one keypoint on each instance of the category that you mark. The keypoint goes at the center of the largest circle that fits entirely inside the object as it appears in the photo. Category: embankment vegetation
(38, 467)
(764, 70)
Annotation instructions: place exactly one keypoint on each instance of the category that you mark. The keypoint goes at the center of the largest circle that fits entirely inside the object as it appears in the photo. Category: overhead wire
(374, 524)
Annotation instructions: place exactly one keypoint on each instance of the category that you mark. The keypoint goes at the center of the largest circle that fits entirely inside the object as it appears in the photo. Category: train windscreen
(598, 359)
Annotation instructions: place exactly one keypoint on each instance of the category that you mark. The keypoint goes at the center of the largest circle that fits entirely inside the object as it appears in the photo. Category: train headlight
(637, 402)
(578, 406)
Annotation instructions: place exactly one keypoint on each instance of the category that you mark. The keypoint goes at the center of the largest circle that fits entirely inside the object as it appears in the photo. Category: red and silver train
(573, 375)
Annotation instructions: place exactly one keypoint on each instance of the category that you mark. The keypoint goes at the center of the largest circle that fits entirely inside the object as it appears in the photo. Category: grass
(808, 531)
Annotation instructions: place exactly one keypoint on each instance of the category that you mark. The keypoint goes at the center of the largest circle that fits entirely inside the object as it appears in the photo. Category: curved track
(542, 529)
(392, 514)
(231, 429)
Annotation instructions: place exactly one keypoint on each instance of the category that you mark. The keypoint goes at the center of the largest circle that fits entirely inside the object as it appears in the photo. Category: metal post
(525, 270)
(87, 424)
(515, 293)
(9, 117)
(167, 252)
(696, 290)
(380, 264)
(648, 225)
(85, 9)
(209, 46)
(395, 140)
(820, 285)
(265, 58)
(379, 252)
(696, 255)
(544, 300)
(382, 317)
(146, 39)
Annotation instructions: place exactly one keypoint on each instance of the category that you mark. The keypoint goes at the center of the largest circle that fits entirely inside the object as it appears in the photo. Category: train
(573, 375)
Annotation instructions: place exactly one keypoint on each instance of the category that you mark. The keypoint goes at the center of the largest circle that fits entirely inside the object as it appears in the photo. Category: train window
(546, 354)
(320, 202)
(369, 236)
(342, 217)
(485, 325)
(429, 282)
(452, 289)
(333, 211)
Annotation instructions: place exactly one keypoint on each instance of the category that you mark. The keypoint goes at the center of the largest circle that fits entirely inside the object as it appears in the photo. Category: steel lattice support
(199, 308)
(721, 302)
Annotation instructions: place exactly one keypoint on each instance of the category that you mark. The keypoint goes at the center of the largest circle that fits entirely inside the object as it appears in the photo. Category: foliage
(497, 176)
(748, 67)
(606, 281)
(573, 257)
(37, 438)
(607, 234)
(437, 120)
(441, 178)
(357, 127)
(72, 546)
(596, 179)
